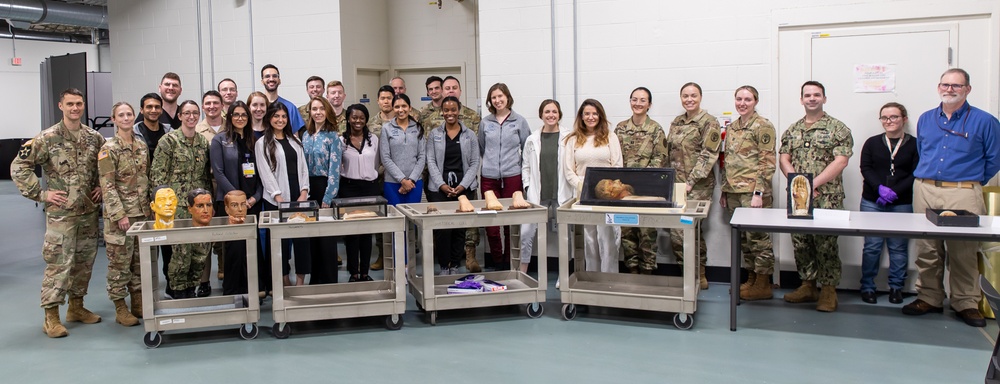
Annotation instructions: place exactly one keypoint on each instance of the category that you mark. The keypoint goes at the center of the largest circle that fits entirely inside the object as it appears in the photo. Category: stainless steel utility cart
(339, 300)
(431, 292)
(678, 295)
(159, 314)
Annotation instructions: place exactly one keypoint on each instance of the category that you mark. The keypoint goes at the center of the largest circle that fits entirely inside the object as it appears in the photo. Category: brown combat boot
(701, 276)
(136, 304)
(470, 260)
(122, 315)
(751, 276)
(827, 299)
(760, 290)
(646, 271)
(633, 270)
(52, 326)
(806, 293)
(377, 265)
(78, 313)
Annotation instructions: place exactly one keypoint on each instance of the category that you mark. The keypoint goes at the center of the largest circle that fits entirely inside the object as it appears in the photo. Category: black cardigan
(875, 162)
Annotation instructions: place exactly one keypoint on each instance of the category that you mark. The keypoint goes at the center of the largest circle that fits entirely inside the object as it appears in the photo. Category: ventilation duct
(51, 12)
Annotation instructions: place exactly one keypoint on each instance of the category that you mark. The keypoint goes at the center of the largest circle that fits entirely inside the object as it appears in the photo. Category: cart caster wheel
(281, 331)
(535, 310)
(432, 317)
(152, 339)
(251, 333)
(394, 322)
(568, 311)
(683, 321)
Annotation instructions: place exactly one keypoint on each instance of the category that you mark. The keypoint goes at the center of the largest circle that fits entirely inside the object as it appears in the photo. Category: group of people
(275, 152)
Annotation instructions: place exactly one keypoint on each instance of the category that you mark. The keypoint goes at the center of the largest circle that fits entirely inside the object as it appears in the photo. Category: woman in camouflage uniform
(693, 147)
(123, 163)
(746, 182)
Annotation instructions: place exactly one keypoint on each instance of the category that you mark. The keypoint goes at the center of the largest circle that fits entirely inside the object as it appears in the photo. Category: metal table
(678, 295)
(160, 315)
(431, 292)
(385, 297)
(882, 224)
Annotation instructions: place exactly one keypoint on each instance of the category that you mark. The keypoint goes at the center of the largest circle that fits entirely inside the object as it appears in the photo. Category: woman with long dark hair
(402, 151)
(359, 177)
(285, 176)
(235, 168)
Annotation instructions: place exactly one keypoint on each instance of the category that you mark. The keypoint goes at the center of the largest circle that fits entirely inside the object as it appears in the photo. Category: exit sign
(15, 61)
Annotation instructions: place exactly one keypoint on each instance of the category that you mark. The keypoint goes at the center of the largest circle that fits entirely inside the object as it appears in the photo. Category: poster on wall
(874, 78)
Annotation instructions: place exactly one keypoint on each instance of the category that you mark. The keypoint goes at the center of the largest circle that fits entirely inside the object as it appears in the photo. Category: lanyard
(892, 152)
(965, 119)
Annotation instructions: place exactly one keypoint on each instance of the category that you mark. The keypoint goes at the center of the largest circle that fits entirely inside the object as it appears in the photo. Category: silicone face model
(236, 206)
(608, 189)
(201, 210)
(164, 205)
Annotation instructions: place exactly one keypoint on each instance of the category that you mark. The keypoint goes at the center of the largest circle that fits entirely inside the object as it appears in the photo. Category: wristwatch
(758, 193)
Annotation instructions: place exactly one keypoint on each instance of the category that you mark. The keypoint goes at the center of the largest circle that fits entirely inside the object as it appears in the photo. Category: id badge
(248, 170)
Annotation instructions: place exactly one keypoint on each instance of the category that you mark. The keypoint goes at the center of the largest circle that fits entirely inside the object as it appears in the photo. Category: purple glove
(886, 195)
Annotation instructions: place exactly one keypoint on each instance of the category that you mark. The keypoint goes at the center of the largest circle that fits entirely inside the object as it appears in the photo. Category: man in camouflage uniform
(123, 164)
(820, 145)
(746, 182)
(336, 94)
(431, 118)
(693, 146)
(644, 145)
(181, 163)
(433, 85)
(67, 153)
(314, 88)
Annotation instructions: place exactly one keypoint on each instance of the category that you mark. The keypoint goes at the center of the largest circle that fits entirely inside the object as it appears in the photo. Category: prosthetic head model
(608, 189)
(164, 205)
(200, 206)
(236, 206)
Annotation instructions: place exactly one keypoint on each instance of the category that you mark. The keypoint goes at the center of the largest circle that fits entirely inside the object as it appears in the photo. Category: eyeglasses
(639, 101)
(890, 119)
(945, 86)
(191, 113)
(241, 116)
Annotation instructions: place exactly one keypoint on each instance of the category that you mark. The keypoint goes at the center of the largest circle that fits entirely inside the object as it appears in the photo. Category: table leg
(734, 277)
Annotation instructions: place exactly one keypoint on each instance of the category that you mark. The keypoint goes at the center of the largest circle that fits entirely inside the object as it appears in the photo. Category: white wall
(365, 43)
(662, 45)
(422, 36)
(23, 83)
(152, 37)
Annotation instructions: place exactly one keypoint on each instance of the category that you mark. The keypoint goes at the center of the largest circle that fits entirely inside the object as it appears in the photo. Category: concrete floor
(776, 343)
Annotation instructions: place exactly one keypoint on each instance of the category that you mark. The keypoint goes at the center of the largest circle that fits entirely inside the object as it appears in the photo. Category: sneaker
(971, 316)
(444, 271)
(453, 271)
(919, 307)
(557, 283)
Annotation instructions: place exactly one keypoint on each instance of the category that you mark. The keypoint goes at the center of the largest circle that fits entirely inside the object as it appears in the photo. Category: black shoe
(205, 290)
(895, 296)
(190, 293)
(353, 278)
(869, 297)
(367, 278)
(972, 317)
(171, 294)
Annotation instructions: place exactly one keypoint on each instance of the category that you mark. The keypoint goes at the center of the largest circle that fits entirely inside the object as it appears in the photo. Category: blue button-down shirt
(963, 148)
(323, 152)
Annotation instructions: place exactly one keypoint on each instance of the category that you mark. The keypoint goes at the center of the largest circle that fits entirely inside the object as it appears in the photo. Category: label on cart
(687, 220)
(486, 212)
(178, 321)
(621, 219)
(160, 238)
(165, 322)
(148, 240)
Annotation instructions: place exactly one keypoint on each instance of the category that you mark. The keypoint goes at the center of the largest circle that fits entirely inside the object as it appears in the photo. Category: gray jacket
(501, 144)
(401, 151)
(470, 157)
(227, 167)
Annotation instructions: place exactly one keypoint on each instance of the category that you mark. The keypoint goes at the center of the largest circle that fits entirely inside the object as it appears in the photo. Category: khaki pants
(961, 256)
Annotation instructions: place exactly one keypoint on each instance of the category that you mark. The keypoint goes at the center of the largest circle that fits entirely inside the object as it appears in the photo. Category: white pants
(528, 231)
(600, 248)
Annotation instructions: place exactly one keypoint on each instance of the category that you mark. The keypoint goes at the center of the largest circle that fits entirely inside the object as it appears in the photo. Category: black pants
(303, 257)
(358, 247)
(449, 244)
(323, 250)
(166, 252)
(236, 267)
